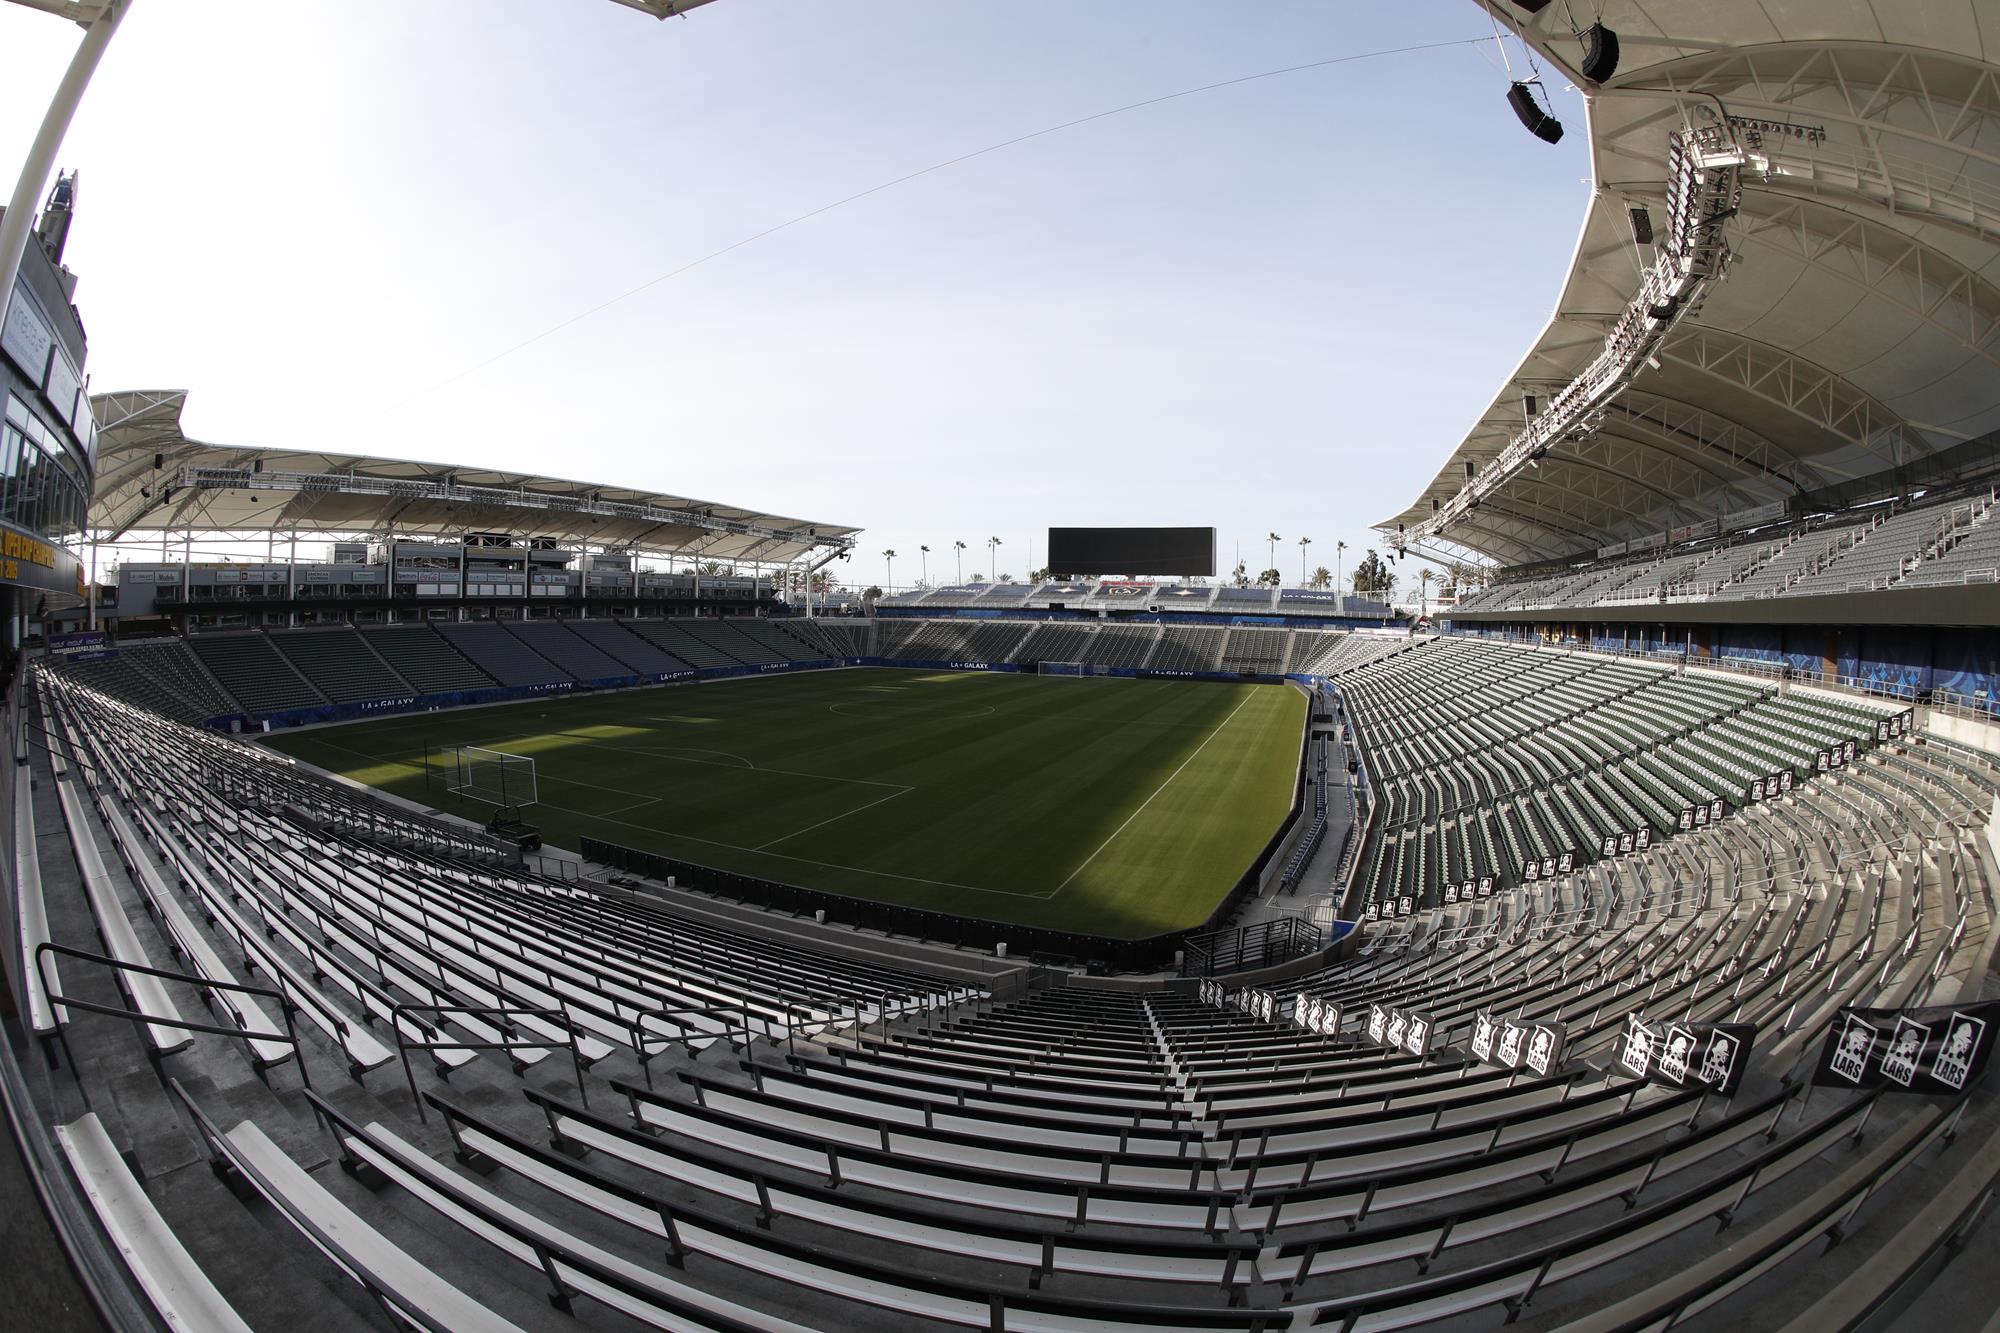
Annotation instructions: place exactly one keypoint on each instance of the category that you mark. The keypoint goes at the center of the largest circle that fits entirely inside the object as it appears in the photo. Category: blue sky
(1272, 306)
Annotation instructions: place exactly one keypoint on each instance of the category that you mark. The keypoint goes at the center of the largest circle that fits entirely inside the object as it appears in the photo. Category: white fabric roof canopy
(1854, 326)
(151, 478)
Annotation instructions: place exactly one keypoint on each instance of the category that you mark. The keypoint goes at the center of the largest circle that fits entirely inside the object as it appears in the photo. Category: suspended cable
(905, 179)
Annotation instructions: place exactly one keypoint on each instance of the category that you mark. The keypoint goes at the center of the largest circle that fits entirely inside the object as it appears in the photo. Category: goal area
(493, 777)
(1075, 669)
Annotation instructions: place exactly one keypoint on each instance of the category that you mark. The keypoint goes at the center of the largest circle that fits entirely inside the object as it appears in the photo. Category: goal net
(1072, 669)
(494, 777)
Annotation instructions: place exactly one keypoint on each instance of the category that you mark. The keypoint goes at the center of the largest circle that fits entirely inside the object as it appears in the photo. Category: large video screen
(1165, 551)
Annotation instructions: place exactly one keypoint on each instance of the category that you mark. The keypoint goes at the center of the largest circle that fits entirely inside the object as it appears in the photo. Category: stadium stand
(1929, 544)
(678, 638)
(953, 640)
(582, 660)
(829, 638)
(1037, 1157)
(766, 642)
(1331, 652)
(341, 664)
(502, 655)
(633, 652)
(1123, 645)
(161, 674)
(256, 674)
(1188, 648)
(1056, 641)
(1251, 649)
(425, 658)
(1487, 758)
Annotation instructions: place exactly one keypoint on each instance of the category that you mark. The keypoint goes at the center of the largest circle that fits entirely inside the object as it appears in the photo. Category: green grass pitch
(1113, 807)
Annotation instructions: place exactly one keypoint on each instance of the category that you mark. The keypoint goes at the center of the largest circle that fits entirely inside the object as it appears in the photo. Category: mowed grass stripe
(1043, 801)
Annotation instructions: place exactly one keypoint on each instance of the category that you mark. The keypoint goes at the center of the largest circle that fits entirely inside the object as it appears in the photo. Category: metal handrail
(286, 1005)
(405, 1045)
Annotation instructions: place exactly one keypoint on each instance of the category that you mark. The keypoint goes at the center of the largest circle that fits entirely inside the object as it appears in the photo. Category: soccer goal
(1073, 669)
(493, 777)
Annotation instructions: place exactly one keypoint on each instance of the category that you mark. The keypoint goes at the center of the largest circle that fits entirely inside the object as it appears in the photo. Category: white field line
(1156, 791)
(786, 837)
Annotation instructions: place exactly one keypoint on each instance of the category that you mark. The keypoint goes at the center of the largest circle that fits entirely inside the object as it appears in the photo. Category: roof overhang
(152, 478)
(1832, 301)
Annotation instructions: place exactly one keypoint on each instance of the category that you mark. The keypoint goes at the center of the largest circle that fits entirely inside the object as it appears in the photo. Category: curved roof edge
(1788, 277)
(152, 478)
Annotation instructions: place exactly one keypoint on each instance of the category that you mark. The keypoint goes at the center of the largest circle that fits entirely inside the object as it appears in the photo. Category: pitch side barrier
(1139, 617)
(418, 703)
(1153, 952)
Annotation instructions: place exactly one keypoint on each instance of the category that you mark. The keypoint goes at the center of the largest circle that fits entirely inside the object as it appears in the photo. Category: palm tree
(1338, 547)
(992, 555)
(1274, 539)
(1424, 577)
(924, 574)
(1303, 543)
(1321, 577)
(889, 568)
(958, 554)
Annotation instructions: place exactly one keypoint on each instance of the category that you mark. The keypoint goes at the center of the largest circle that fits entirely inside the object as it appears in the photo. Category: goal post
(1074, 669)
(493, 777)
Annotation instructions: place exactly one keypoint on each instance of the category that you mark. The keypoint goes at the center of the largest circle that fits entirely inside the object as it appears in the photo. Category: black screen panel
(1171, 552)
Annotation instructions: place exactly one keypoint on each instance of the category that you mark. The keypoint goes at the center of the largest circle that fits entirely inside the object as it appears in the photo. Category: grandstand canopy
(1848, 325)
(152, 478)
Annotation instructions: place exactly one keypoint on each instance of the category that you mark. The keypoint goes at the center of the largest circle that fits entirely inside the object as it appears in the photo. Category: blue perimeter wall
(348, 712)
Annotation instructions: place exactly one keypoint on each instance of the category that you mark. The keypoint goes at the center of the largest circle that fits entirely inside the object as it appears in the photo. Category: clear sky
(1274, 306)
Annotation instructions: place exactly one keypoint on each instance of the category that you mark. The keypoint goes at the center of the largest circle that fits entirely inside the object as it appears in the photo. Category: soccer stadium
(452, 897)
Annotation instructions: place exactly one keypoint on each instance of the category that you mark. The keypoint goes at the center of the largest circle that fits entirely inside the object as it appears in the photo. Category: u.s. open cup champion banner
(1940, 1050)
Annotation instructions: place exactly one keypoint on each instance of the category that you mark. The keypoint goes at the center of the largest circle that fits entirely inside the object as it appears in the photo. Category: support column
(41, 159)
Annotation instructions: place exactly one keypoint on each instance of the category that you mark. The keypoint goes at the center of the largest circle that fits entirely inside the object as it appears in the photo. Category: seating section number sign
(1939, 1050)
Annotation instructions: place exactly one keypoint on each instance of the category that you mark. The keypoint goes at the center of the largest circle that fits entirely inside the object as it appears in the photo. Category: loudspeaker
(1531, 6)
(1539, 122)
(1600, 53)
(159, 461)
(1642, 225)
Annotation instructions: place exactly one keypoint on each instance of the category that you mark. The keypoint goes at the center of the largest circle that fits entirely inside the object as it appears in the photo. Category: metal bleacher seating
(569, 651)
(340, 662)
(768, 641)
(1056, 641)
(1188, 648)
(1254, 649)
(612, 638)
(1484, 757)
(425, 658)
(162, 674)
(254, 672)
(501, 654)
(656, 1118)
(679, 638)
(827, 638)
(955, 640)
